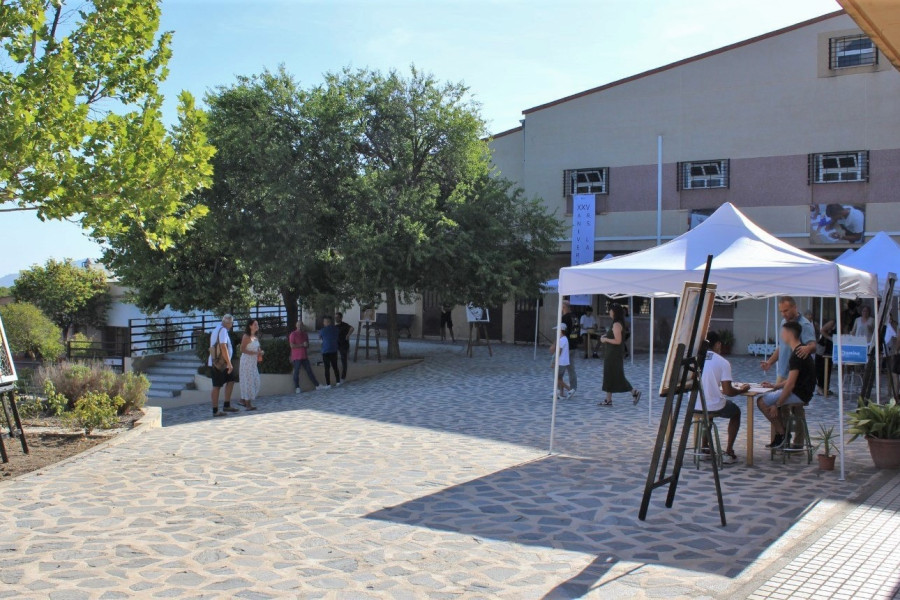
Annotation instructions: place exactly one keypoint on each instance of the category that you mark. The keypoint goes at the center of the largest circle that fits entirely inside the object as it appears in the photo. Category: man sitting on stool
(716, 385)
(796, 390)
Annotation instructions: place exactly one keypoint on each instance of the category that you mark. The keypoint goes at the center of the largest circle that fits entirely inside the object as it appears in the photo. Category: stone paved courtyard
(430, 482)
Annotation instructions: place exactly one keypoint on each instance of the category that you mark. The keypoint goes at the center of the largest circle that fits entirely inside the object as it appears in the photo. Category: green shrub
(74, 381)
(95, 410)
(54, 402)
(277, 357)
(133, 390)
(30, 332)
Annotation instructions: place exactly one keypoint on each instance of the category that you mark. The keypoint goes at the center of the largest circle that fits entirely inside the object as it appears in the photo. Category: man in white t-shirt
(220, 341)
(851, 219)
(560, 352)
(716, 384)
(589, 329)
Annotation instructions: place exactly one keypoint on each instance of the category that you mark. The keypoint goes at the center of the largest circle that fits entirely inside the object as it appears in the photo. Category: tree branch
(18, 209)
(55, 22)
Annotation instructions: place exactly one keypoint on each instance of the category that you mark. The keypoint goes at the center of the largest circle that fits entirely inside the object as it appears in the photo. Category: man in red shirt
(299, 341)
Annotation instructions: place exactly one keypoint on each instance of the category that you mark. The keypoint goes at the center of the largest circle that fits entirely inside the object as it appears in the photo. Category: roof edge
(688, 60)
(494, 136)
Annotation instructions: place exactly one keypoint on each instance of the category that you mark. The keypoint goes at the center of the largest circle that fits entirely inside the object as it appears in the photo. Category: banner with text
(583, 222)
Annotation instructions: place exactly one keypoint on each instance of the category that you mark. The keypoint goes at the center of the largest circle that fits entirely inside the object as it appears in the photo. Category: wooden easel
(689, 362)
(868, 383)
(369, 327)
(13, 422)
(477, 332)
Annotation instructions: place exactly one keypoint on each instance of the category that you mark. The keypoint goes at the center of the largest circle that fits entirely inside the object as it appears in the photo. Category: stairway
(173, 374)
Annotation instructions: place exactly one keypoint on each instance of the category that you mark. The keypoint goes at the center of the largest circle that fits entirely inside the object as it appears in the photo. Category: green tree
(425, 203)
(68, 294)
(282, 156)
(31, 332)
(81, 126)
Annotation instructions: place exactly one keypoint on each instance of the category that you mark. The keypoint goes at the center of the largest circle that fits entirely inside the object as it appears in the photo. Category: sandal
(248, 406)
(605, 403)
(636, 396)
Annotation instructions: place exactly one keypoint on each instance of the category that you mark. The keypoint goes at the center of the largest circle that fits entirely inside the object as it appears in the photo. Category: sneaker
(570, 395)
(729, 458)
(324, 387)
(298, 391)
(219, 414)
(777, 442)
(338, 384)
(595, 355)
(230, 409)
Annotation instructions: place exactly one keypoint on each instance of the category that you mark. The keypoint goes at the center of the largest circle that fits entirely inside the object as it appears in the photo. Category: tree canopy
(31, 332)
(81, 131)
(68, 294)
(371, 186)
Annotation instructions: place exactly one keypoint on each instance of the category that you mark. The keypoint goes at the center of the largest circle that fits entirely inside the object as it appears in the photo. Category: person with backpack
(222, 371)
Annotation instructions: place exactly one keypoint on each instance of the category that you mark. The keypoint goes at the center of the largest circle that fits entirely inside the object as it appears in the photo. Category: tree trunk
(289, 299)
(393, 335)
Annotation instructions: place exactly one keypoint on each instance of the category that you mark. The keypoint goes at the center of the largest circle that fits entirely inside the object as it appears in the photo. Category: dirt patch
(49, 447)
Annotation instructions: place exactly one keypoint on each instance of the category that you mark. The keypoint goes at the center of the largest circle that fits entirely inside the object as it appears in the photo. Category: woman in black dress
(614, 380)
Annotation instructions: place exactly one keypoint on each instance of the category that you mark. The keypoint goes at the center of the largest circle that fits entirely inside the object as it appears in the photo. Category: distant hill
(8, 280)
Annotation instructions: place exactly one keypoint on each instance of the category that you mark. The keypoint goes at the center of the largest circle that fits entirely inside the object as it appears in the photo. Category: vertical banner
(583, 223)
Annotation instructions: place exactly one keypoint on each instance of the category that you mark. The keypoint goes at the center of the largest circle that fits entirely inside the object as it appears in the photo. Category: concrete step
(179, 372)
(162, 386)
(179, 379)
(151, 393)
(177, 364)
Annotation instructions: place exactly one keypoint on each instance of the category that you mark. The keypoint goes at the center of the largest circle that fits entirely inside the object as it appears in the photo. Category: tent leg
(652, 337)
(766, 336)
(631, 315)
(555, 375)
(877, 342)
(537, 319)
(840, 373)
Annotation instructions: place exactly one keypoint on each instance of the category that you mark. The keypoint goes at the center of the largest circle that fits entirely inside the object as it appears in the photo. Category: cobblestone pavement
(430, 482)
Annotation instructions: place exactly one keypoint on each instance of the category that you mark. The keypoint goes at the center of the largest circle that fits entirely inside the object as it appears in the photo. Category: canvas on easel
(7, 367)
(684, 324)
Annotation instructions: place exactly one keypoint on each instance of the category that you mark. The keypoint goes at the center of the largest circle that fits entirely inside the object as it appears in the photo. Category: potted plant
(825, 440)
(880, 425)
(726, 336)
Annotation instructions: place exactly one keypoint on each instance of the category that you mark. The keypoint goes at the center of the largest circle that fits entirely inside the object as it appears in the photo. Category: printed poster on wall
(583, 223)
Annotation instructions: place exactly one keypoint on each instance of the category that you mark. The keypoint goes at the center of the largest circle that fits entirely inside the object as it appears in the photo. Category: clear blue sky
(513, 54)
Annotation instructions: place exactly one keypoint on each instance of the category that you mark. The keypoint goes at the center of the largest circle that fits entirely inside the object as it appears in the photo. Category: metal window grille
(704, 174)
(839, 167)
(586, 181)
(851, 51)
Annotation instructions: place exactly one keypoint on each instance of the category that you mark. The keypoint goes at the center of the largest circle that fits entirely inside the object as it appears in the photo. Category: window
(851, 51)
(703, 174)
(837, 167)
(586, 181)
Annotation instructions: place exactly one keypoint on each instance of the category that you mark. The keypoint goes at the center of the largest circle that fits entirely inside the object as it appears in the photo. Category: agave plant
(876, 421)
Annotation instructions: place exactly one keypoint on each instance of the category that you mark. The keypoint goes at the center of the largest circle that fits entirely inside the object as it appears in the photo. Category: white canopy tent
(747, 263)
(880, 255)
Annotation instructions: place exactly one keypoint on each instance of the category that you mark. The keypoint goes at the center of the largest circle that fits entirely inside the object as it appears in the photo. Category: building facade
(782, 125)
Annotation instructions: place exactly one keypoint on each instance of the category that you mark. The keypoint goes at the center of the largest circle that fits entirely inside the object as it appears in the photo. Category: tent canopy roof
(748, 262)
(880, 255)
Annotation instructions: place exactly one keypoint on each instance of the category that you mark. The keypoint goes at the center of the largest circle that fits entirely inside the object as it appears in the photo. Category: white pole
(556, 371)
(766, 336)
(631, 315)
(877, 341)
(659, 185)
(840, 369)
(537, 319)
(650, 392)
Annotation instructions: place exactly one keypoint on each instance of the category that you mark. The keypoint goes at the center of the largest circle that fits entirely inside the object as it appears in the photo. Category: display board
(477, 314)
(7, 368)
(684, 323)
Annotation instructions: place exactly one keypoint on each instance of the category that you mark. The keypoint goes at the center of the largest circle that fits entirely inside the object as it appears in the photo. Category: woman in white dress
(251, 355)
(864, 326)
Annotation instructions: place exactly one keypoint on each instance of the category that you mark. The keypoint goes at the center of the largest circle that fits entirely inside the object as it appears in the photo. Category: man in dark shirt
(796, 390)
(344, 333)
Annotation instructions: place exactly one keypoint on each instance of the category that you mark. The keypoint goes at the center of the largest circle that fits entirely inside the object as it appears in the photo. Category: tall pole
(652, 336)
(555, 371)
(659, 174)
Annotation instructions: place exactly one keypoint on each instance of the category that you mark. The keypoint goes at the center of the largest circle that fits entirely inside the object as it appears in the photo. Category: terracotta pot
(885, 453)
(826, 463)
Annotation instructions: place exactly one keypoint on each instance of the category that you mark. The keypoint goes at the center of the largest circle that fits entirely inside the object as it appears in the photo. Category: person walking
(299, 342)
(345, 330)
(329, 336)
(251, 356)
(614, 380)
(447, 323)
(222, 371)
(560, 352)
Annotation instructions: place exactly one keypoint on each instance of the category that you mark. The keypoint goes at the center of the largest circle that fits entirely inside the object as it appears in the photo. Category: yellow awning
(880, 19)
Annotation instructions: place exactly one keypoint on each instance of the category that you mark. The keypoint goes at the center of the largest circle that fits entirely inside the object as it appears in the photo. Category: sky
(513, 54)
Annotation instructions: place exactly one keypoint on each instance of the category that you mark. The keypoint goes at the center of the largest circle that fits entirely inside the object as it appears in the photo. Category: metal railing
(111, 354)
(161, 335)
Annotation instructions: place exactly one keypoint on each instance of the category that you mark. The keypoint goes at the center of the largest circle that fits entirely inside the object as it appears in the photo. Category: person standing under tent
(329, 336)
(782, 355)
(299, 341)
(345, 330)
(614, 380)
(570, 320)
(824, 349)
(589, 328)
(220, 348)
(849, 316)
(864, 326)
(560, 352)
(716, 383)
(251, 355)
(795, 390)
(447, 323)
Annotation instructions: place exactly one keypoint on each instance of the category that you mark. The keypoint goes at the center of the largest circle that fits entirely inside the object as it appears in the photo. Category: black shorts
(729, 411)
(446, 320)
(220, 378)
(896, 365)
